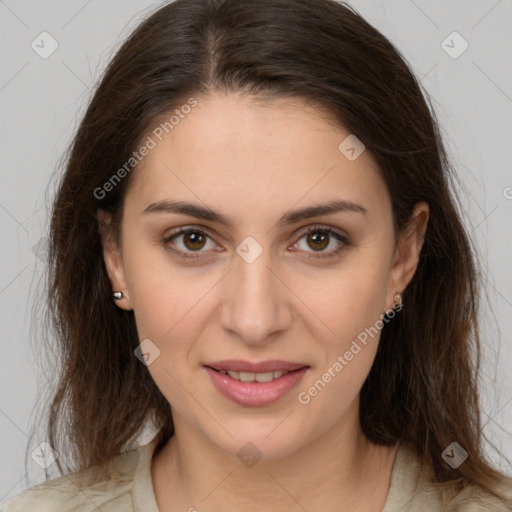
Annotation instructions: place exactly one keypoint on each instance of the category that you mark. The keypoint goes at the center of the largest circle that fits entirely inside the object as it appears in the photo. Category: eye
(192, 240)
(319, 238)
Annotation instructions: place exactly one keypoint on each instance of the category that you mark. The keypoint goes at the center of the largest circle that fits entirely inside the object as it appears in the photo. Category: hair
(422, 388)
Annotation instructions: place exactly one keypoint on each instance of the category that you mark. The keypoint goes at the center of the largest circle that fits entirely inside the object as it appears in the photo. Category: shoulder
(473, 499)
(107, 488)
(413, 489)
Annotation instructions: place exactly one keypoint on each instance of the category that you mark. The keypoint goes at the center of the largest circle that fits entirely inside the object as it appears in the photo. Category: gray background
(41, 101)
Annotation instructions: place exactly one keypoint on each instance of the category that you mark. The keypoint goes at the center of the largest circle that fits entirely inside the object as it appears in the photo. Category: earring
(117, 295)
(398, 299)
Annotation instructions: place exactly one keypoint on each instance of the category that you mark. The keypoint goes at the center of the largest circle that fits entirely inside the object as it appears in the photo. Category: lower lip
(255, 394)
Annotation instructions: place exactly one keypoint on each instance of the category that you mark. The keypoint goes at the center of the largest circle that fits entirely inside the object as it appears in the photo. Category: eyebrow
(291, 217)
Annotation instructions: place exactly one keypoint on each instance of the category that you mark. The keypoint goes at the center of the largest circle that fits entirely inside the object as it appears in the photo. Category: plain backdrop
(42, 100)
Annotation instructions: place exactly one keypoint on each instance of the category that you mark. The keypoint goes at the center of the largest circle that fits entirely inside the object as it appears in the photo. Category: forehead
(234, 151)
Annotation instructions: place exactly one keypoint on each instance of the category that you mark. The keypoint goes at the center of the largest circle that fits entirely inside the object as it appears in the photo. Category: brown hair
(422, 388)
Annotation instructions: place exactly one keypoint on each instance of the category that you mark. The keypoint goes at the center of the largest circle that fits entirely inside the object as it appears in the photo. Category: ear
(113, 259)
(407, 253)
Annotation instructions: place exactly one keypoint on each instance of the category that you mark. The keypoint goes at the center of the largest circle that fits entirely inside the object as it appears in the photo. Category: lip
(256, 394)
(237, 365)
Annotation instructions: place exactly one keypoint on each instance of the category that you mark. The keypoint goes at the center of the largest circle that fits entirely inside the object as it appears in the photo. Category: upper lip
(275, 365)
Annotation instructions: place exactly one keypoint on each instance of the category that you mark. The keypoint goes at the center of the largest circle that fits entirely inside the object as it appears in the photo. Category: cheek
(349, 303)
(164, 297)
(172, 309)
(345, 300)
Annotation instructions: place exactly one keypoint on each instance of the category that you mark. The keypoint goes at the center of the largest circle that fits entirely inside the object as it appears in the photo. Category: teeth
(264, 377)
(253, 377)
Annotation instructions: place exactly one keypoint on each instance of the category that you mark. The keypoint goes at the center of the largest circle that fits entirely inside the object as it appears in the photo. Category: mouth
(253, 377)
(274, 365)
(255, 384)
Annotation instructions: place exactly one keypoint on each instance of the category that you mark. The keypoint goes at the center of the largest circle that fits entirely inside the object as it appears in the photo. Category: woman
(255, 250)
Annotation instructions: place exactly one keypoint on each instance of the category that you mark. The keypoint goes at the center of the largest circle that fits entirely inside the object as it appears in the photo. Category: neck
(340, 467)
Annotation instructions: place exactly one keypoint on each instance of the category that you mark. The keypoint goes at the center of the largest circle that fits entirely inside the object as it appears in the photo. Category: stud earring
(398, 299)
(117, 295)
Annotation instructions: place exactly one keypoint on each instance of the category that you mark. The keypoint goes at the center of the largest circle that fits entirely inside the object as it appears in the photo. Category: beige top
(129, 488)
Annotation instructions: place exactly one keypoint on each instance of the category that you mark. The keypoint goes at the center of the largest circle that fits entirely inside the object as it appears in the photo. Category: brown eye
(318, 240)
(194, 240)
(188, 243)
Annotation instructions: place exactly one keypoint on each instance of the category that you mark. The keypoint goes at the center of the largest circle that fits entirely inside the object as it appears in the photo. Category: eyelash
(314, 229)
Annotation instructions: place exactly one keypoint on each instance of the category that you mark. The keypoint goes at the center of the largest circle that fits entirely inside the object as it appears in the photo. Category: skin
(253, 162)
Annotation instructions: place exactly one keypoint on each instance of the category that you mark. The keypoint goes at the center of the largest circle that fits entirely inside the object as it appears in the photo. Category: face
(251, 270)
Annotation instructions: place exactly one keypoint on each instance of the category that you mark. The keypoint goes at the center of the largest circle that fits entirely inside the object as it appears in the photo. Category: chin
(268, 439)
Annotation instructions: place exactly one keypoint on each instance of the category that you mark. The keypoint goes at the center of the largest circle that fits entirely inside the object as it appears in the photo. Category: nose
(256, 302)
